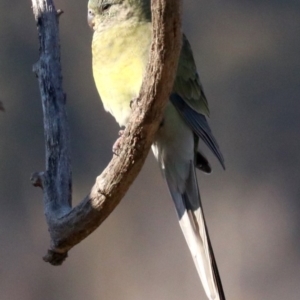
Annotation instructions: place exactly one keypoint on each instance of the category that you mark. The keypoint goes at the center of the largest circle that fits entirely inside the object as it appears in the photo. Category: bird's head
(105, 13)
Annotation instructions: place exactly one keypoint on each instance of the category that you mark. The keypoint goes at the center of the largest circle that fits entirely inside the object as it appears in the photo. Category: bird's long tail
(191, 218)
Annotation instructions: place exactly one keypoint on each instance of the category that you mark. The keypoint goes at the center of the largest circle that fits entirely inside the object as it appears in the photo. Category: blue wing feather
(198, 123)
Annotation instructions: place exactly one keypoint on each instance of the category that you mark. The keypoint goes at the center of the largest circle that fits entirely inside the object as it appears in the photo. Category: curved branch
(68, 226)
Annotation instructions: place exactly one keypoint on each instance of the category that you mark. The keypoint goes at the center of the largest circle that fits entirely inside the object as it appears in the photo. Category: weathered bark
(68, 226)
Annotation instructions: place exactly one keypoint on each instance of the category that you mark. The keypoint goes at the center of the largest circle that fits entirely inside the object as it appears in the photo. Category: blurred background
(248, 56)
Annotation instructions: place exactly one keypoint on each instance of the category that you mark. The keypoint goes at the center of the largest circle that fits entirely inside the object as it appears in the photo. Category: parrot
(122, 35)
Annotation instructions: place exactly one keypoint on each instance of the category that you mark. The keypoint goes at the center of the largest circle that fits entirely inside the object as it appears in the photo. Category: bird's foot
(117, 145)
(133, 102)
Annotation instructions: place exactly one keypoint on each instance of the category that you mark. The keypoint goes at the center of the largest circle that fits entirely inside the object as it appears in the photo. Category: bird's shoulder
(187, 83)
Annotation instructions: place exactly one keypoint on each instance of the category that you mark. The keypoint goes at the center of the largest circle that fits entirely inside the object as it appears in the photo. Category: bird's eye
(106, 6)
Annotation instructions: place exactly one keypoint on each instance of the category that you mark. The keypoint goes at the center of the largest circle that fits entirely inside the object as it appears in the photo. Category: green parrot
(120, 48)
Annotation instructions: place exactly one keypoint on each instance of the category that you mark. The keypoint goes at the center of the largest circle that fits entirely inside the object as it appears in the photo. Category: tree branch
(68, 226)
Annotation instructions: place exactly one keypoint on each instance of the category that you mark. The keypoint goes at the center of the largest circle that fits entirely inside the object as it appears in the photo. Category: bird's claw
(132, 102)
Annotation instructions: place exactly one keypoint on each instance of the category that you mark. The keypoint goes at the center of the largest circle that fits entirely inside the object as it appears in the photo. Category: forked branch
(68, 226)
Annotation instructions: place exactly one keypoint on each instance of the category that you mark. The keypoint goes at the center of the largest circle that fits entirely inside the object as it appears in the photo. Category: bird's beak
(91, 21)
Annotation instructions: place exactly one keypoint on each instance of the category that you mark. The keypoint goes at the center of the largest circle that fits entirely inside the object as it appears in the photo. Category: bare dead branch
(68, 226)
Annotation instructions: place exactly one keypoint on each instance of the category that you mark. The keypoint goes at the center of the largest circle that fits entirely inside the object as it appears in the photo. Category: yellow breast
(120, 55)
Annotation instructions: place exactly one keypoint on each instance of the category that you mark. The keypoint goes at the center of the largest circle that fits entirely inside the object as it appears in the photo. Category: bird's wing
(198, 123)
(187, 83)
